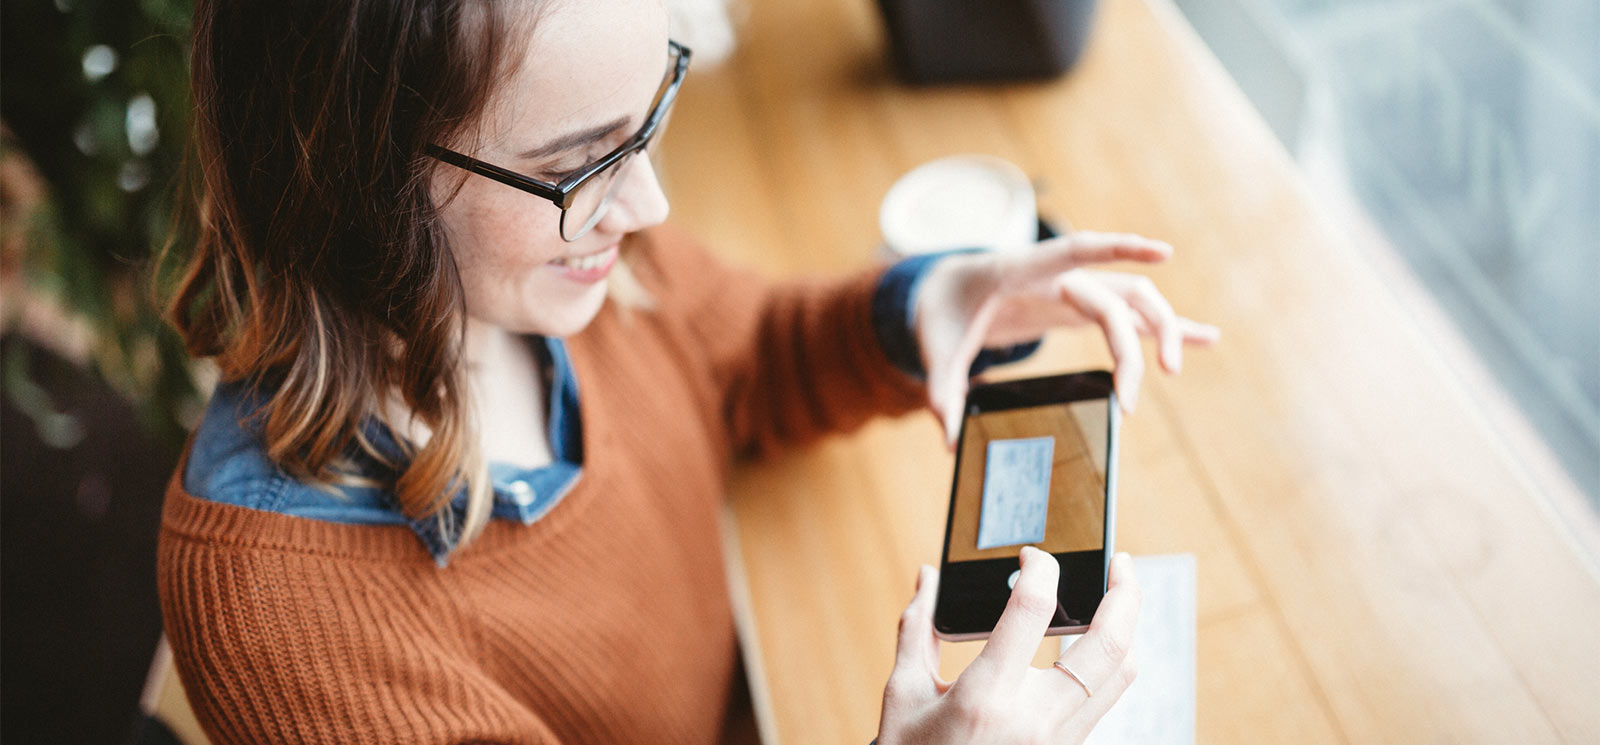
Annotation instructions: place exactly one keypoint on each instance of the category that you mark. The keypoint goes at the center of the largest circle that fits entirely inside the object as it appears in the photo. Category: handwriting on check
(1016, 491)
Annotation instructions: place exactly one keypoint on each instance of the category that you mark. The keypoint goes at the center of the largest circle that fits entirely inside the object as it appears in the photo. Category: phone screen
(1028, 476)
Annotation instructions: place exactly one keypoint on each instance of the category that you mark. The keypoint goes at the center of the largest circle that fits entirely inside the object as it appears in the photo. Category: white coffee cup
(962, 201)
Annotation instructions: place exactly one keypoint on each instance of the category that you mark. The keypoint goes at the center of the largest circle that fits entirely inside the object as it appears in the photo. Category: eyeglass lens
(593, 198)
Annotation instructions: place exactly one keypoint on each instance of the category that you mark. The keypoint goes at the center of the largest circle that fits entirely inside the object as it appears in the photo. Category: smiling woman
(584, 194)
(412, 216)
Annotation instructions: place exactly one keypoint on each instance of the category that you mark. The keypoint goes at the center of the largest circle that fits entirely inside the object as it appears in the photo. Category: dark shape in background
(944, 41)
(94, 101)
(77, 558)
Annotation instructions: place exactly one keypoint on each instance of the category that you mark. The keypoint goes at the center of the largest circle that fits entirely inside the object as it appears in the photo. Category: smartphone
(1036, 465)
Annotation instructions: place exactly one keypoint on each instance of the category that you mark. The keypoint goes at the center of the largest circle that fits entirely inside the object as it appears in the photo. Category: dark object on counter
(939, 41)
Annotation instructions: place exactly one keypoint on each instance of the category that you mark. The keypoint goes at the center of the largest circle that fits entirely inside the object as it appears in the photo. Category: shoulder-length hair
(321, 273)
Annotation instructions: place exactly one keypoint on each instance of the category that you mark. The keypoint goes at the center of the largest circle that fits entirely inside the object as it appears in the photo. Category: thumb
(916, 629)
(948, 371)
(948, 401)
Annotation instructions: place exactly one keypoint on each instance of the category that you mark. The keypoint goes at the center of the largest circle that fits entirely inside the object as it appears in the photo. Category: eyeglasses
(585, 195)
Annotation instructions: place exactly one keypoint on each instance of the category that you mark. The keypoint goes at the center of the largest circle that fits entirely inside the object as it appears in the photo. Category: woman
(448, 491)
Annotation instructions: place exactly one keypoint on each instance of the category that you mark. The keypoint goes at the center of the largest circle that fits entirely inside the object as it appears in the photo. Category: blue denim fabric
(893, 306)
(227, 463)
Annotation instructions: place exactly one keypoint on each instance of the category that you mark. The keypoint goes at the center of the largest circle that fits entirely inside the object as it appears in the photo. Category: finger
(1118, 323)
(916, 629)
(1026, 617)
(1082, 718)
(948, 377)
(1088, 247)
(1141, 294)
(950, 415)
(1195, 332)
(948, 396)
(1100, 652)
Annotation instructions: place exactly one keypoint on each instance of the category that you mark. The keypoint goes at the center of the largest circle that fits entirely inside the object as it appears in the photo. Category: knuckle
(1119, 314)
(970, 708)
(893, 691)
(1067, 281)
(1105, 314)
(1128, 671)
(1033, 602)
(984, 717)
(975, 715)
(1115, 645)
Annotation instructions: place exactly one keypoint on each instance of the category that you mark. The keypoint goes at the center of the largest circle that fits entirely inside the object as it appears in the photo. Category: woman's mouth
(588, 268)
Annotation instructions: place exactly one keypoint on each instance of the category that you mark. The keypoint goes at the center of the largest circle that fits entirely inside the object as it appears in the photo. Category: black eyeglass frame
(562, 194)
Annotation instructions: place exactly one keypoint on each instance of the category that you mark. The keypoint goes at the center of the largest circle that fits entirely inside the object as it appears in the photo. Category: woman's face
(589, 68)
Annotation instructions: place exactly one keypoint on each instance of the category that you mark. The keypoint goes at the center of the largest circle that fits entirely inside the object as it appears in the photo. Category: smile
(588, 267)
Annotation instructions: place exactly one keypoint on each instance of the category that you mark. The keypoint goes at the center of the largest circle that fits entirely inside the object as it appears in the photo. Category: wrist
(896, 303)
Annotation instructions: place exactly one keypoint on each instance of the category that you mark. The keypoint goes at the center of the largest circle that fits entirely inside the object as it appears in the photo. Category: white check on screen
(1016, 491)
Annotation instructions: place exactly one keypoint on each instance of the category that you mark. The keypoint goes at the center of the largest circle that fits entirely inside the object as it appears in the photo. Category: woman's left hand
(969, 302)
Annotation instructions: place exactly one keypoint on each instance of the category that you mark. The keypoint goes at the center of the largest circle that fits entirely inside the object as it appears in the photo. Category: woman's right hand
(1000, 697)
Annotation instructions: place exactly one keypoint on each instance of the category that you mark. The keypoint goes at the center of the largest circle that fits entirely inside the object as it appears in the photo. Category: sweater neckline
(189, 516)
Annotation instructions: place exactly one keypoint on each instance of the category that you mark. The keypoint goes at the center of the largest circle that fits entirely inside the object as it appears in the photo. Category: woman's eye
(561, 170)
(576, 165)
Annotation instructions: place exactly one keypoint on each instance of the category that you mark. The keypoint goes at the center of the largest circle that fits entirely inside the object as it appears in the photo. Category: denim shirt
(227, 463)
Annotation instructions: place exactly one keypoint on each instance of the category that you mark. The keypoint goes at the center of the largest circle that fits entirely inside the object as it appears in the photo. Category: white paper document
(1158, 709)
(1016, 491)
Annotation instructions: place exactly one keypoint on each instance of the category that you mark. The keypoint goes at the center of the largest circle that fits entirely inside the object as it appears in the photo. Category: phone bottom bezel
(982, 635)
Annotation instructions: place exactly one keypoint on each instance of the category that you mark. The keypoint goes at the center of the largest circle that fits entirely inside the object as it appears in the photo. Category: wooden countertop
(1382, 555)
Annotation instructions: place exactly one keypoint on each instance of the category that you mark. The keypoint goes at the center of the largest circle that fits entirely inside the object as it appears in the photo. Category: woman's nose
(638, 202)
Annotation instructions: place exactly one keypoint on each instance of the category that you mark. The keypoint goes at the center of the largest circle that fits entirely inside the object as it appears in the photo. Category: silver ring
(1063, 667)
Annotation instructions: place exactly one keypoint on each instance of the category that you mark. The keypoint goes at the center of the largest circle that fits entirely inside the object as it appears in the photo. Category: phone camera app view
(1029, 475)
(1033, 476)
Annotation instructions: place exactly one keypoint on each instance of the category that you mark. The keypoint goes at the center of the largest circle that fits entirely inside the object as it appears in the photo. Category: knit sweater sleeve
(789, 361)
(289, 647)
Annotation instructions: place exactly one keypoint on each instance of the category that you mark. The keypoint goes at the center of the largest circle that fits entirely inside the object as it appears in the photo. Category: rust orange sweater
(607, 621)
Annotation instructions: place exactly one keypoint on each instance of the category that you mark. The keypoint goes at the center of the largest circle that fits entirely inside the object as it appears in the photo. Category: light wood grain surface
(1377, 562)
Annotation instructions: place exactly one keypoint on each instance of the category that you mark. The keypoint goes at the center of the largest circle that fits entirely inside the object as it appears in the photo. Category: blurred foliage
(95, 94)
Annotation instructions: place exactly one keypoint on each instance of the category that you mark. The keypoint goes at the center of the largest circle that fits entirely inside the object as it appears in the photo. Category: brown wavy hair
(321, 273)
